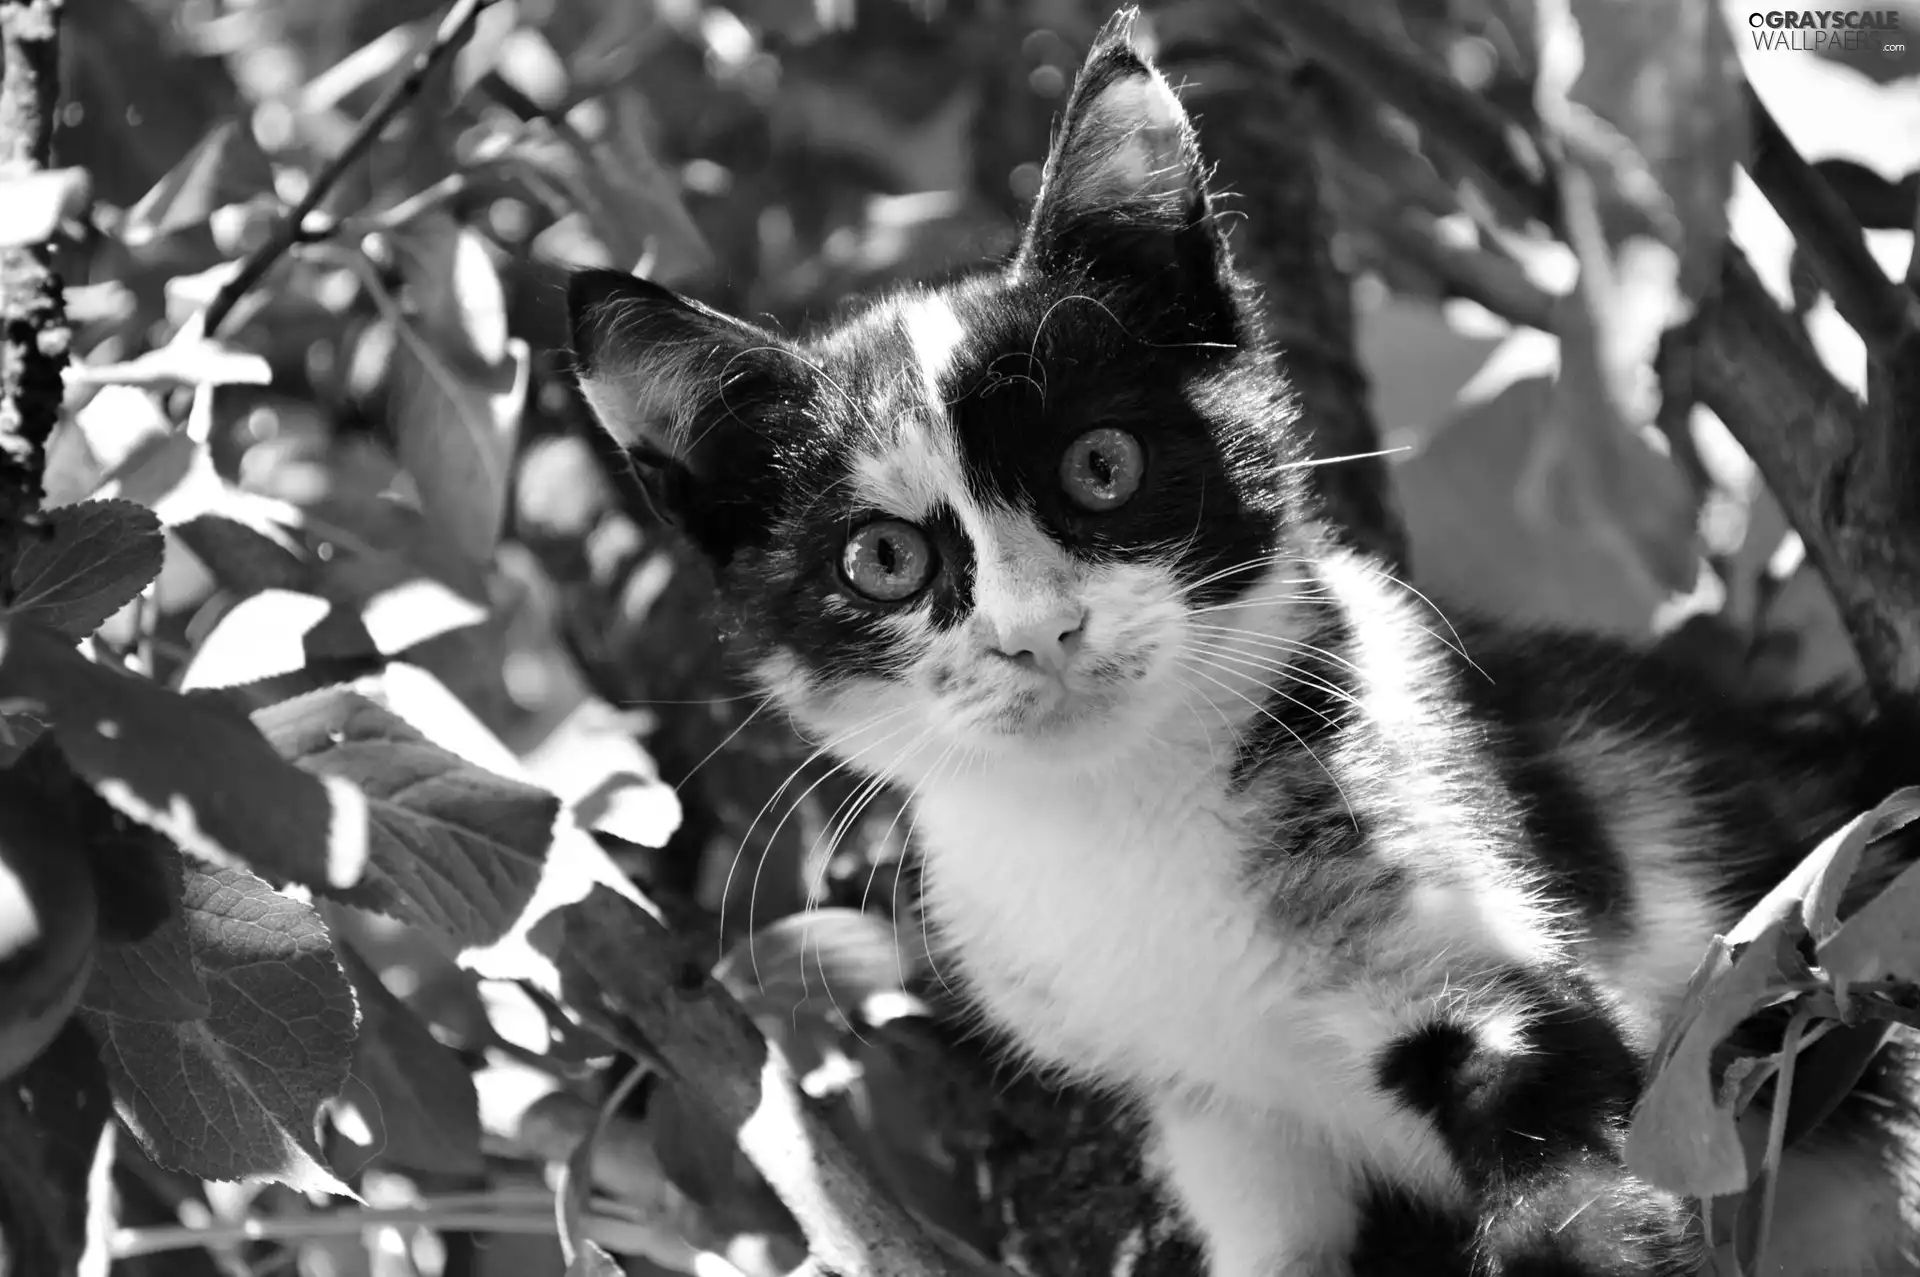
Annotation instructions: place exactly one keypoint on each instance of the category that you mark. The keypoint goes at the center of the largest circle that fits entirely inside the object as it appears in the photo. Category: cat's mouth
(1047, 706)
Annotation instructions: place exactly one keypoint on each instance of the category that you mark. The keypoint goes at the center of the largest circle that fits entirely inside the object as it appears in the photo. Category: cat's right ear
(676, 383)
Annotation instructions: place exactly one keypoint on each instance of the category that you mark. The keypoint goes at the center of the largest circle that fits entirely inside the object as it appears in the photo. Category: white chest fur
(1111, 927)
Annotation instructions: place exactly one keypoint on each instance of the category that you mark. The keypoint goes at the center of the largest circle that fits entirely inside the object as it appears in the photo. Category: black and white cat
(1217, 813)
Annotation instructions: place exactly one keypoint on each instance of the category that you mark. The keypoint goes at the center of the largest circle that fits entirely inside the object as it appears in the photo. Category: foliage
(326, 668)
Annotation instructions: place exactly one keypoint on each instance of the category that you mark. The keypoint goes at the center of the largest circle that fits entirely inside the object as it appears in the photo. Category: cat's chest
(1115, 930)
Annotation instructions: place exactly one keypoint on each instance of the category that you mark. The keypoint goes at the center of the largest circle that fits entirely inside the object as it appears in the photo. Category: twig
(33, 323)
(291, 229)
(1878, 308)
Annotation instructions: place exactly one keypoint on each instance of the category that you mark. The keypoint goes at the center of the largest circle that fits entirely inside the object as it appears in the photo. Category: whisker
(746, 839)
(725, 741)
(753, 891)
(1285, 671)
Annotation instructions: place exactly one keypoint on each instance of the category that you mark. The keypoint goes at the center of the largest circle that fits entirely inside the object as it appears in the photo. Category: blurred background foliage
(394, 393)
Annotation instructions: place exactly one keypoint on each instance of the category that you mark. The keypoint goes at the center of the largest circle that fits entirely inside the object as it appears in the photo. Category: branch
(1828, 461)
(1878, 308)
(620, 959)
(454, 29)
(33, 323)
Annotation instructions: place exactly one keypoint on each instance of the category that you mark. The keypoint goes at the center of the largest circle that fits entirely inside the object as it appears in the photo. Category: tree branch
(454, 29)
(33, 324)
(1878, 308)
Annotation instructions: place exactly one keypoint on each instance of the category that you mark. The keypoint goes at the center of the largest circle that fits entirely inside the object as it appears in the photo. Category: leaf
(458, 426)
(119, 421)
(1591, 467)
(823, 959)
(154, 980)
(1458, 497)
(52, 1119)
(454, 849)
(32, 205)
(416, 611)
(479, 297)
(174, 475)
(418, 1099)
(1833, 863)
(1682, 1138)
(1882, 938)
(592, 762)
(243, 559)
(228, 798)
(85, 563)
(223, 167)
(237, 1095)
(188, 359)
(272, 633)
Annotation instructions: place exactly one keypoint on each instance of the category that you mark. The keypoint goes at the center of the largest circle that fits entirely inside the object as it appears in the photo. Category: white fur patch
(936, 335)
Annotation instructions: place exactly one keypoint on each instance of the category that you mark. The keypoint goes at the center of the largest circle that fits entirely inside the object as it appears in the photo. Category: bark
(33, 327)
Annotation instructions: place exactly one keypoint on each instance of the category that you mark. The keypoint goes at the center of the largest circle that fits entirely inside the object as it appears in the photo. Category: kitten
(1376, 922)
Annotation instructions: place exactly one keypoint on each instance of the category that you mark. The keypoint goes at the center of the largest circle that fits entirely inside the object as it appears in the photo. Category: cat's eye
(1102, 469)
(888, 561)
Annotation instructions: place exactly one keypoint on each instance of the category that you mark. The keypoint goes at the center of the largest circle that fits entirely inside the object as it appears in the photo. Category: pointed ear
(693, 395)
(1124, 187)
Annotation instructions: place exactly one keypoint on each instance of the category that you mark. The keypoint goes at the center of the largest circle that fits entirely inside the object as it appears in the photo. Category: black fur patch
(1572, 1081)
(1401, 1236)
(1564, 831)
(1536, 1135)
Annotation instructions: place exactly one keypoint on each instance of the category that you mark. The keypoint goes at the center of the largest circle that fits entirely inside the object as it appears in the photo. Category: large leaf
(593, 763)
(228, 797)
(276, 632)
(418, 1100)
(460, 384)
(85, 563)
(237, 1094)
(454, 849)
(1683, 1138)
(155, 980)
(1457, 494)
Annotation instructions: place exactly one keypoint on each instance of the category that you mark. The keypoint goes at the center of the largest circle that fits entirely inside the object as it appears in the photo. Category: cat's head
(1015, 517)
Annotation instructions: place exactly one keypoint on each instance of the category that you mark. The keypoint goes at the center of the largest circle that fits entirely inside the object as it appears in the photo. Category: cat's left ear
(1124, 190)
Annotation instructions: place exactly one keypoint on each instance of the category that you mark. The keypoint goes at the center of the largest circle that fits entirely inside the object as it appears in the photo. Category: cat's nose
(1046, 641)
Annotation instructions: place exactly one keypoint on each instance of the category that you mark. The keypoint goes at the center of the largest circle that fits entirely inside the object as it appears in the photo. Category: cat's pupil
(888, 552)
(1102, 467)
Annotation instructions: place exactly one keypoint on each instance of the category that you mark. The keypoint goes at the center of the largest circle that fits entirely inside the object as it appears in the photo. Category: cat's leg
(1266, 1196)
(1533, 1116)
